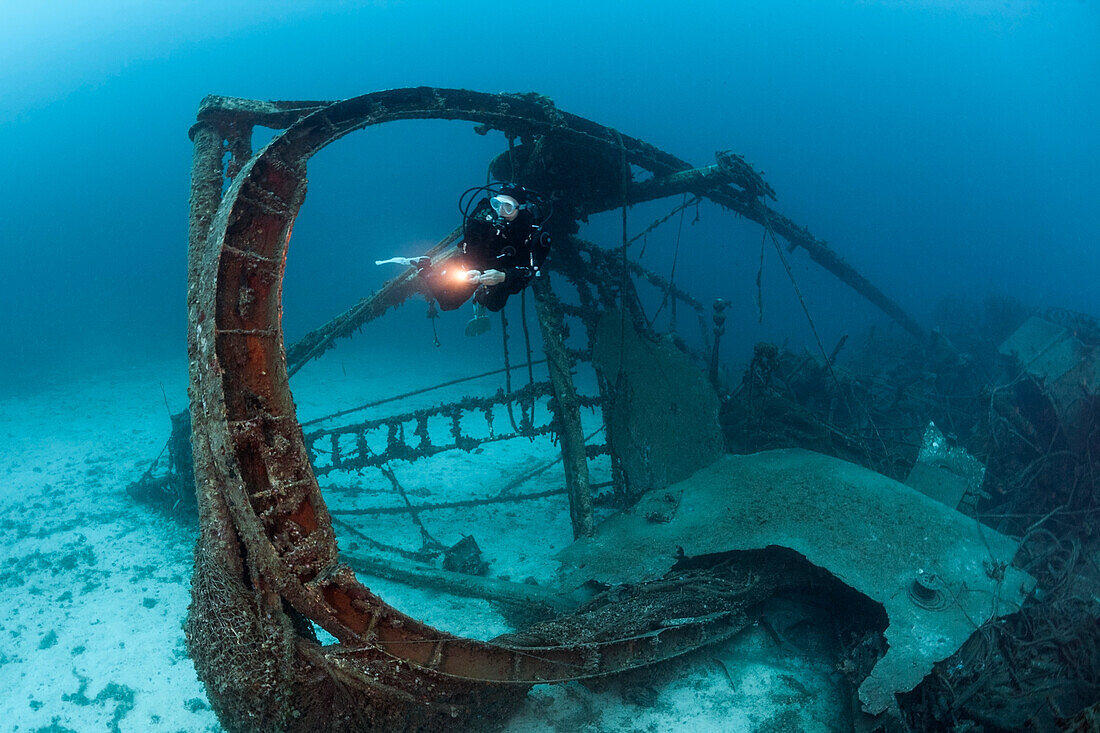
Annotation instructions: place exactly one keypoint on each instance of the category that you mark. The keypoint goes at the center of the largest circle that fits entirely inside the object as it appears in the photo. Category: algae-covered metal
(875, 534)
(267, 567)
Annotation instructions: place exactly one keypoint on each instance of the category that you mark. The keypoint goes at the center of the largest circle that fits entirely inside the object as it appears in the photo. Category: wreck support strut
(206, 180)
(567, 412)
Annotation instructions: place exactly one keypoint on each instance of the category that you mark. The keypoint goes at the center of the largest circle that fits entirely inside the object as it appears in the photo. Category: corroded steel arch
(267, 562)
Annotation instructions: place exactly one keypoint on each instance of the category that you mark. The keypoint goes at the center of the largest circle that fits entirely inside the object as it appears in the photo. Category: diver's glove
(492, 277)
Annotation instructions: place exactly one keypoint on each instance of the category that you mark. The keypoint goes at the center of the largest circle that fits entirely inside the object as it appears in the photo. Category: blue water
(941, 147)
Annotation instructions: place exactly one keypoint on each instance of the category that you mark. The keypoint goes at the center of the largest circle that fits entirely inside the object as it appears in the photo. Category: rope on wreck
(415, 392)
(672, 273)
(694, 200)
(817, 338)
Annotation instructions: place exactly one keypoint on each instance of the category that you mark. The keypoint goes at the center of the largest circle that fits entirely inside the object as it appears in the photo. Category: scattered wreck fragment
(1064, 368)
(943, 471)
(267, 569)
(1017, 465)
(936, 572)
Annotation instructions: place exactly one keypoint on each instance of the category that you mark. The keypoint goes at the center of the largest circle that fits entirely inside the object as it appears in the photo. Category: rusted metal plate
(663, 417)
(875, 534)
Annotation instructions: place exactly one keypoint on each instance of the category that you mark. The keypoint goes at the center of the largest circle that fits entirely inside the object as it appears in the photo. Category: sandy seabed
(96, 587)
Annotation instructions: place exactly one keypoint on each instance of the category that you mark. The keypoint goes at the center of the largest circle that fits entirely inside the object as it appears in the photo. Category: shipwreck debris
(944, 471)
(662, 416)
(267, 570)
(1028, 669)
(465, 557)
(1065, 369)
(267, 566)
(877, 535)
(173, 488)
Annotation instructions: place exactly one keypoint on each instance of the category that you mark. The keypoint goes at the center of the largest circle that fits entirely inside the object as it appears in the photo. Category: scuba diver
(502, 248)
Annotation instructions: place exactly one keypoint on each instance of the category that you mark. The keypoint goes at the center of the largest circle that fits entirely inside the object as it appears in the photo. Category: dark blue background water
(943, 148)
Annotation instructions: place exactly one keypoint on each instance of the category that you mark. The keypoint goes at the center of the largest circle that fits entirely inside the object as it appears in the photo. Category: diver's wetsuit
(517, 248)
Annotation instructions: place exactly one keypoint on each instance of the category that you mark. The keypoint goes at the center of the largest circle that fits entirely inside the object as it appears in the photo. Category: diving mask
(505, 206)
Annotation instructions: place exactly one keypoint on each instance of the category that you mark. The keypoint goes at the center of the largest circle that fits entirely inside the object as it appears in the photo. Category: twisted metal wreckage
(267, 568)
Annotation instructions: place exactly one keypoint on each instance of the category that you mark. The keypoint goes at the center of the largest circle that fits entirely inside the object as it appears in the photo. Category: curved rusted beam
(267, 562)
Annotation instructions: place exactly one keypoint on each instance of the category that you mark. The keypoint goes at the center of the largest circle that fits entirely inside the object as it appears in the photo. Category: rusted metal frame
(572, 662)
(405, 452)
(461, 503)
(274, 114)
(398, 448)
(669, 289)
(671, 175)
(566, 408)
(255, 484)
(570, 264)
(243, 470)
(514, 115)
(222, 579)
(393, 293)
(601, 270)
(415, 392)
(207, 175)
(461, 584)
(708, 182)
(467, 404)
(239, 377)
(712, 182)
